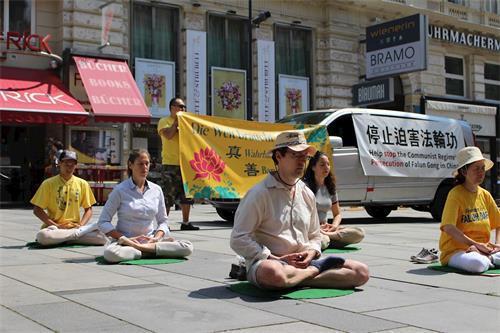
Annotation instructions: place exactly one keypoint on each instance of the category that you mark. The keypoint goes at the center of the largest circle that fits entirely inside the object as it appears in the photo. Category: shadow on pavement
(223, 292)
(425, 271)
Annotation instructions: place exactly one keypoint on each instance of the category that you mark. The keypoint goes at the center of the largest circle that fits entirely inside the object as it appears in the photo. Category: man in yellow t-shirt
(57, 204)
(171, 178)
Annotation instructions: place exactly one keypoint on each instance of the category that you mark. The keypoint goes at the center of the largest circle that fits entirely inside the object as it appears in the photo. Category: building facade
(281, 57)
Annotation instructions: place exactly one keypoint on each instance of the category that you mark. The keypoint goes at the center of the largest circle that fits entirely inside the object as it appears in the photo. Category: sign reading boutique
(395, 47)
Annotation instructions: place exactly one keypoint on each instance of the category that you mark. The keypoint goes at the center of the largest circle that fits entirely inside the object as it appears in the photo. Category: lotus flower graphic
(207, 164)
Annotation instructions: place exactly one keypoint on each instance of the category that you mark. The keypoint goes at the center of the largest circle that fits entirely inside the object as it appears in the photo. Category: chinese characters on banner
(224, 158)
(403, 148)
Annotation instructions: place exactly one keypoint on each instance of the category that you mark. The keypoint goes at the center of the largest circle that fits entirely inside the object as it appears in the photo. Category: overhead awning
(480, 117)
(112, 90)
(37, 96)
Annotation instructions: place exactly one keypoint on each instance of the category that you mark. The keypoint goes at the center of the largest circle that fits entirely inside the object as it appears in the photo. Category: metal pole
(249, 74)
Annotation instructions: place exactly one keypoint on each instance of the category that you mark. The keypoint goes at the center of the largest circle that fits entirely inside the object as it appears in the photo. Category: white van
(379, 195)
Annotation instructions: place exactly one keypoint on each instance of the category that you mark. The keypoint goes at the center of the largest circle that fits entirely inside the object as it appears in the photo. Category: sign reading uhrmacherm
(464, 38)
(373, 92)
(395, 47)
(395, 147)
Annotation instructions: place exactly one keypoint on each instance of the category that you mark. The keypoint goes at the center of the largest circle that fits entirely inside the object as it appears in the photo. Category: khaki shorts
(172, 185)
(252, 271)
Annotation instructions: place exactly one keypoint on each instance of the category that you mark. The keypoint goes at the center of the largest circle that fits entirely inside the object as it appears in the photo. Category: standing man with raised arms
(171, 178)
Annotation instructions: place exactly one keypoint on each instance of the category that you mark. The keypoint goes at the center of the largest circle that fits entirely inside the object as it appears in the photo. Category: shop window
(155, 32)
(491, 6)
(492, 81)
(293, 50)
(18, 15)
(228, 42)
(460, 2)
(227, 46)
(455, 79)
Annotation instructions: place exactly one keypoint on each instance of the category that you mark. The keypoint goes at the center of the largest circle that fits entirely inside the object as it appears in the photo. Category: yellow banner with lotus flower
(223, 158)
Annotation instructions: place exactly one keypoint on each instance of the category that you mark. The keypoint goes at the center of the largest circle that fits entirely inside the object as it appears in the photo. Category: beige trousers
(53, 236)
(341, 237)
(114, 253)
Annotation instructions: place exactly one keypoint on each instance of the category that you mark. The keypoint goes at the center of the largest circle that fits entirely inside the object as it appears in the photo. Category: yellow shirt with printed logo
(169, 147)
(475, 214)
(62, 199)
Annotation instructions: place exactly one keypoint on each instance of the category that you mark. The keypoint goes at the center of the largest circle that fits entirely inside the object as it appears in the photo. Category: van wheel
(379, 212)
(437, 205)
(226, 214)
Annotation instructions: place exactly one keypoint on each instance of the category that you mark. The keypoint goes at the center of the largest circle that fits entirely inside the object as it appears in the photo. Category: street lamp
(252, 22)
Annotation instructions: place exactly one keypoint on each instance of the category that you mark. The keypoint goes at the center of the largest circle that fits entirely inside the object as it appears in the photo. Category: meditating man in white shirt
(276, 228)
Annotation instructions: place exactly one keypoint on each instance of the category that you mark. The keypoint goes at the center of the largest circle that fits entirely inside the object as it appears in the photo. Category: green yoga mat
(448, 269)
(36, 245)
(150, 261)
(342, 249)
(246, 288)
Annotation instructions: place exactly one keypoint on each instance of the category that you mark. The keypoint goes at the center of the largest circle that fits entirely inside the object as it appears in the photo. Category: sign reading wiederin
(402, 148)
(397, 46)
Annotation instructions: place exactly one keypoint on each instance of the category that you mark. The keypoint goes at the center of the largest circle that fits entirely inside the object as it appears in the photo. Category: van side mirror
(336, 142)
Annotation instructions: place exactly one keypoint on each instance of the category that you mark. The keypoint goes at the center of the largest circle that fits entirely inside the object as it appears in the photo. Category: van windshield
(309, 118)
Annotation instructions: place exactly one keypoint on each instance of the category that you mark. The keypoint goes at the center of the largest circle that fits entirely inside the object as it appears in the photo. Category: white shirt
(269, 220)
(136, 211)
(324, 202)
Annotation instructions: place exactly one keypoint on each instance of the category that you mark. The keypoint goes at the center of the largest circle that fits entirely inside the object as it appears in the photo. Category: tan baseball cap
(294, 140)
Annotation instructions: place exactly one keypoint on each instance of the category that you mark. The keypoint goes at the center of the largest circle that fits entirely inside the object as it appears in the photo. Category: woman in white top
(321, 181)
(138, 202)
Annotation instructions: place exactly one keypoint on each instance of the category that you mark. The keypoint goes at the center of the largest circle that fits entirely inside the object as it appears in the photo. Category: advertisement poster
(266, 80)
(156, 82)
(398, 147)
(224, 158)
(294, 94)
(229, 93)
(196, 71)
(96, 145)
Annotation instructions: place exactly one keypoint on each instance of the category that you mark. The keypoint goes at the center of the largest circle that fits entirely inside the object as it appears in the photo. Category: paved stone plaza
(65, 290)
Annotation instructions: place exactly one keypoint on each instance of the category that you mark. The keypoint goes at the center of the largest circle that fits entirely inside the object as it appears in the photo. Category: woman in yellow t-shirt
(469, 216)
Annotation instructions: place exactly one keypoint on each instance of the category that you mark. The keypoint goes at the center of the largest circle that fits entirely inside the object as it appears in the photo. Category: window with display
(454, 74)
(491, 6)
(492, 81)
(155, 32)
(17, 15)
(293, 50)
(227, 42)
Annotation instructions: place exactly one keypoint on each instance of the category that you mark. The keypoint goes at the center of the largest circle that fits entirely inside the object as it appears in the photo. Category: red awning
(112, 91)
(37, 96)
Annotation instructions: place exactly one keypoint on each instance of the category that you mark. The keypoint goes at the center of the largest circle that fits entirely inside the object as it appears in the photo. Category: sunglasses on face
(181, 106)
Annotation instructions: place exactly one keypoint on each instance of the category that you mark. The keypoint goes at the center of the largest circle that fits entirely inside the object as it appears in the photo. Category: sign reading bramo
(396, 147)
(398, 46)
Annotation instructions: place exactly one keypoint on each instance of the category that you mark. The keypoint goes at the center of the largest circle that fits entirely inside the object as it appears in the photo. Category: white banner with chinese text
(399, 147)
